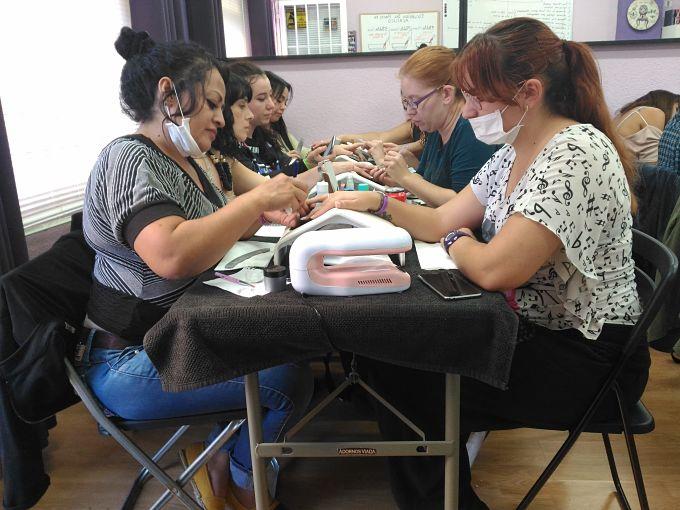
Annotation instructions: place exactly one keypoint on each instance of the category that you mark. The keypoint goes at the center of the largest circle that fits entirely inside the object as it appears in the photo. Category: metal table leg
(255, 432)
(452, 433)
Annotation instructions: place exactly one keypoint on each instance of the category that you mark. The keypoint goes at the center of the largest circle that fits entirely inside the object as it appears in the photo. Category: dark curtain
(261, 28)
(199, 21)
(13, 250)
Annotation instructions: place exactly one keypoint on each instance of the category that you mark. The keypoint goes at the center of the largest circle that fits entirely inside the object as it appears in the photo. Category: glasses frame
(414, 104)
(477, 104)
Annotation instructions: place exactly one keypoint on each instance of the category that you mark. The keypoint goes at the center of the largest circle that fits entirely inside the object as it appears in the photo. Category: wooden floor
(89, 471)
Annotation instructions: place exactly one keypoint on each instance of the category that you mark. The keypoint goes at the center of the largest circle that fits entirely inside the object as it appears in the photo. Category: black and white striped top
(132, 185)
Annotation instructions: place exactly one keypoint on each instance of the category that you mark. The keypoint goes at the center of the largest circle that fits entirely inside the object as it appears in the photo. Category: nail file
(243, 257)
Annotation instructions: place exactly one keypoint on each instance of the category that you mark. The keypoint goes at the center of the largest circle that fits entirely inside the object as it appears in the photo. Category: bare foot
(218, 470)
(245, 497)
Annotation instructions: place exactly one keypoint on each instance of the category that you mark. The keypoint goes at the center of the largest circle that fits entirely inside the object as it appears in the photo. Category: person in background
(669, 145)
(156, 221)
(642, 121)
(225, 171)
(555, 209)
(261, 151)
(282, 92)
(452, 153)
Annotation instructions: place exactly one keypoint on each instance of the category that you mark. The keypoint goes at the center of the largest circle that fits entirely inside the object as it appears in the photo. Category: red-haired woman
(555, 206)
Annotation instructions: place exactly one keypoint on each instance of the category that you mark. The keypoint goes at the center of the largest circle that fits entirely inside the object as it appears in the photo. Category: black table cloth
(210, 335)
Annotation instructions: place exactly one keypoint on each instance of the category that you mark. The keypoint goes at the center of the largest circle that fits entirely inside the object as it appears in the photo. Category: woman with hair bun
(555, 209)
(156, 221)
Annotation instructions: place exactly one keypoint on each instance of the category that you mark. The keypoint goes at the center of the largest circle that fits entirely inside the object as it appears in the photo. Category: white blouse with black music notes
(576, 187)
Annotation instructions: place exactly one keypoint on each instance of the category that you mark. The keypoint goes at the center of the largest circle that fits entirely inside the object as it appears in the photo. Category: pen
(233, 279)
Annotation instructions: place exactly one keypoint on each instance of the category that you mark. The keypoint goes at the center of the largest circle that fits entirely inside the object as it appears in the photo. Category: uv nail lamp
(333, 218)
(309, 274)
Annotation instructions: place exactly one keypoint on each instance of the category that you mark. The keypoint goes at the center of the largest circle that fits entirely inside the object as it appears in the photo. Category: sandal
(201, 480)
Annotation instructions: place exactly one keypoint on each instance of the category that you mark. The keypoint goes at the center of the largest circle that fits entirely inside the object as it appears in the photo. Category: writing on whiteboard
(557, 14)
(398, 31)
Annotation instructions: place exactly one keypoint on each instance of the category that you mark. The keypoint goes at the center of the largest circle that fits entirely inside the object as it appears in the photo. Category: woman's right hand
(354, 200)
(281, 192)
(376, 149)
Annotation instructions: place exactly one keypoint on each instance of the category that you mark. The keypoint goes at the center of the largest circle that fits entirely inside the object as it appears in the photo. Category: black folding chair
(637, 420)
(116, 427)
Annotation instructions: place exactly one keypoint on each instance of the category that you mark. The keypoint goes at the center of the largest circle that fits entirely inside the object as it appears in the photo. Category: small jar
(275, 278)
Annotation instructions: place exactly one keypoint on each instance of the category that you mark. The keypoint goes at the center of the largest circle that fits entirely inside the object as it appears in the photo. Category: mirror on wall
(294, 27)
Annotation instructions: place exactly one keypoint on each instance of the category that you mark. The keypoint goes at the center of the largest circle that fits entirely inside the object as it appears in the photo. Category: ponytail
(586, 104)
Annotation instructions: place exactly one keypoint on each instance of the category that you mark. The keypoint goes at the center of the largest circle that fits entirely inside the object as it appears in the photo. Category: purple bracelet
(383, 204)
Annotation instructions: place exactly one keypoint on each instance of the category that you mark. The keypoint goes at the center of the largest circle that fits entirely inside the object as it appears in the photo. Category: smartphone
(450, 284)
(329, 147)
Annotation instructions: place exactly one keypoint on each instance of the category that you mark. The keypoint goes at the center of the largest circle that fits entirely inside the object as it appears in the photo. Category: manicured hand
(395, 166)
(283, 218)
(354, 200)
(281, 192)
(376, 149)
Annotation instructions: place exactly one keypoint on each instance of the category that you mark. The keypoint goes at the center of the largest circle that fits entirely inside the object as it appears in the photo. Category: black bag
(35, 375)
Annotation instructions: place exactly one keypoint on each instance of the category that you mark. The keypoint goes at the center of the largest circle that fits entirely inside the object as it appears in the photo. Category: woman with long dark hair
(555, 209)
(282, 93)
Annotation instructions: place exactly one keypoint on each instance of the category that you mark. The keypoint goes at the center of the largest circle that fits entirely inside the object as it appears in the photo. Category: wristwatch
(452, 237)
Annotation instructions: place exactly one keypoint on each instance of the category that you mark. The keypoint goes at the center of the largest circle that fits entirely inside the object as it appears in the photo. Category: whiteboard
(451, 23)
(398, 31)
(557, 14)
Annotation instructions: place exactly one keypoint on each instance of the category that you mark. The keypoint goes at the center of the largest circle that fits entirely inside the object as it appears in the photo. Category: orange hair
(432, 65)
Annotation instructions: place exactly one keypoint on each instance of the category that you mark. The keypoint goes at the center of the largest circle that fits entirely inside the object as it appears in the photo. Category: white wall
(362, 93)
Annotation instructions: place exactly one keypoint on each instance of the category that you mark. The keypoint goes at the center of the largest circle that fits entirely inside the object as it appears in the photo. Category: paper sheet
(433, 256)
(243, 247)
(271, 231)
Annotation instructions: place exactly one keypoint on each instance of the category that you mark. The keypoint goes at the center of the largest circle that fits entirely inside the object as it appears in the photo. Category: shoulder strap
(637, 110)
(627, 116)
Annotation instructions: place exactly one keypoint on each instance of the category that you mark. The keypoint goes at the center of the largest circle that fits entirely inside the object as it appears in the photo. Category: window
(59, 88)
(310, 28)
(235, 19)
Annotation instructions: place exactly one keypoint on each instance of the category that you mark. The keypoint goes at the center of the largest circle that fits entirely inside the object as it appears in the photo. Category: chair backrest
(653, 284)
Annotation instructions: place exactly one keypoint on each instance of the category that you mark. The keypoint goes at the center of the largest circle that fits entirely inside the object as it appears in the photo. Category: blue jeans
(128, 385)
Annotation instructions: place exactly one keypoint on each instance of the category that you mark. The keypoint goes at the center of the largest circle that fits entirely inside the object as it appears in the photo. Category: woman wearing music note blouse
(554, 204)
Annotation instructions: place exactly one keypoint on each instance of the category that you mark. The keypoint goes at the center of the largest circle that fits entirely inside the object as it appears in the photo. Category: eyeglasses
(409, 104)
(477, 104)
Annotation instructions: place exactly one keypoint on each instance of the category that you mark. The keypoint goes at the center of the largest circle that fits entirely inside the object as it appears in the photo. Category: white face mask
(489, 128)
(181, 135)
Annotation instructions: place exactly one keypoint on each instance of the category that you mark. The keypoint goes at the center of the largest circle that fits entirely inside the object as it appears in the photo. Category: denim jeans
(128, 385)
